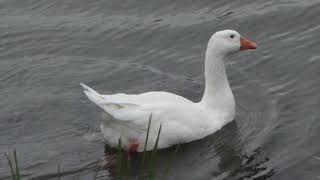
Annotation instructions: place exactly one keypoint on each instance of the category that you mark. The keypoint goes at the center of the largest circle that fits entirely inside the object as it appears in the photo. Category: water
(47, 47)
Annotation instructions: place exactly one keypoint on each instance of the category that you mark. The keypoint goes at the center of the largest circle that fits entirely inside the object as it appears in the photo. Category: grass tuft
(140, 176)
(154, 156)
(16, 163)
(144, 174)
(13, 165)
(119, 161)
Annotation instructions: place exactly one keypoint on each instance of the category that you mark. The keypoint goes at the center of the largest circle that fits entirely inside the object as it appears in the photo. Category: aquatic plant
(144, 174)
(13, 164)
(149, 173)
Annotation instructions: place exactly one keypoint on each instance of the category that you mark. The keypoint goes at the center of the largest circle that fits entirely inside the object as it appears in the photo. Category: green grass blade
(155, 148)
(16, 164)
(147, 136)
(119, 161)
(144, 150)
(10, 165)
(173, 157)
(154, 155)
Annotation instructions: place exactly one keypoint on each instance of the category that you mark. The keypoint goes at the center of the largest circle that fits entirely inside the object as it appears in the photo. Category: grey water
(47, 47)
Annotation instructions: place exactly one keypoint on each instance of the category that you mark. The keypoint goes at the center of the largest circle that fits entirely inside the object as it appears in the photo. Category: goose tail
(93, 95)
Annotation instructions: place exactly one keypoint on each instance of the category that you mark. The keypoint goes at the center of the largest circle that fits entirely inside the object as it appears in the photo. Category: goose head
(229, 41)
(218, 94)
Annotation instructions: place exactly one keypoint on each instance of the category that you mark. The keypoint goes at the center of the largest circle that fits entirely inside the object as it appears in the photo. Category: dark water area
(47, 47)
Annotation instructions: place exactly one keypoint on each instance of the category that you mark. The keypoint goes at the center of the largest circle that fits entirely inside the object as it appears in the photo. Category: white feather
(127, 115)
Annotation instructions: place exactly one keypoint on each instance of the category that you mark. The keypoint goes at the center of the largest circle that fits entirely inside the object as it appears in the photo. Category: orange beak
(246, 44)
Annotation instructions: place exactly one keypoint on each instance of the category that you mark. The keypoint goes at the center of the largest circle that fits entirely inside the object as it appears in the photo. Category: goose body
(127, 115)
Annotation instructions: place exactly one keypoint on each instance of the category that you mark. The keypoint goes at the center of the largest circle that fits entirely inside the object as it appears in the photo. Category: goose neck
(217, 93)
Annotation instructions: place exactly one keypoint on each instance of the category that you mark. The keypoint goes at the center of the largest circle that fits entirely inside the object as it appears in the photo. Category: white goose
(182, 120)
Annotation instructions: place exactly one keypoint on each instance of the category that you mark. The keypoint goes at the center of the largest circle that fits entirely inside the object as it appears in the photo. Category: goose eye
(232, 36)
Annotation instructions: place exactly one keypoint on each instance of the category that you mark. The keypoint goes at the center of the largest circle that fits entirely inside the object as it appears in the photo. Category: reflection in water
(218, 155)
(252, 167)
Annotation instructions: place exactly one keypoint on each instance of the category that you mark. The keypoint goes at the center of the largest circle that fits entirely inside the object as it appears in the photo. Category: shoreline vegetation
(146, 164)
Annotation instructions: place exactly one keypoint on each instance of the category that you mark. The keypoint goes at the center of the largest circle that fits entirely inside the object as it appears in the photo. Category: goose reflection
(218, 156)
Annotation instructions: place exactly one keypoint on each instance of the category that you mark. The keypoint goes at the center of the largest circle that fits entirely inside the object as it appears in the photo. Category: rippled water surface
(47, 47)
